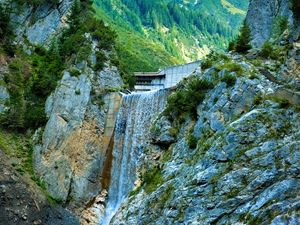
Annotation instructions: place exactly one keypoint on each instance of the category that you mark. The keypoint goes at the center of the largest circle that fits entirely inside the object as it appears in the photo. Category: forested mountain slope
(162, 32)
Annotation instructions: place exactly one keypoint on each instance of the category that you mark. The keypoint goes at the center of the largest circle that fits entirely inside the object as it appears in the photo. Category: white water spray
(136, 113)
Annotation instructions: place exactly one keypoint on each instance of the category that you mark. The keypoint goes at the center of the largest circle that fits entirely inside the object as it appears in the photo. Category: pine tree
(6, 30)
(243, 40)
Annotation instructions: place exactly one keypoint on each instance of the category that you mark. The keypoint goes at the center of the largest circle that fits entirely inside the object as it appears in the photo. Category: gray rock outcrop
(244, 170)
(41, 24)
(69, 156)
(4, 95)
(261, 16)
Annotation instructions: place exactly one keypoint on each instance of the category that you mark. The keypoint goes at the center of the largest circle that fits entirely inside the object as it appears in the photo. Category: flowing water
(136, 113)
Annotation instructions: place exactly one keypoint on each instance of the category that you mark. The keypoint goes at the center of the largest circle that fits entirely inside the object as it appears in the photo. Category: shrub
(258, 99)
(231, 67)
(36, 3)
(6, 31)
(13, 118)
(231, 46)
(244, 39)
(266, 50)
(152, 179)
(100, 60)
(173, 131)
(192, 141)
(184, 102)
(229, 79)
(213, 58)
(77, 92)
(74, 72)
(74, 41)
(280, 24)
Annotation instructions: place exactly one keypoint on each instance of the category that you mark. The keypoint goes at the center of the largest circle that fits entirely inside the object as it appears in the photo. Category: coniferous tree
(231, 46)
(6, 30)
(244, 39)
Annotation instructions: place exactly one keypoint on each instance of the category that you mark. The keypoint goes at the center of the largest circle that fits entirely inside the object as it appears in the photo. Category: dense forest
(180, 30)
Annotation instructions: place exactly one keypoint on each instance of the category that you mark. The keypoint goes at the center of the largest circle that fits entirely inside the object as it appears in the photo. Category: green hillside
(157, 33)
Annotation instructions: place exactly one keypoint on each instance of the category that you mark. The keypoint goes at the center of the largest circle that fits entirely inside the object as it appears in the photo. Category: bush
(74, 41)
(266, 50)
(229, 79)
(152, 179)
(231, 46)
(244, 39)
(192, 141)
(184, 102)
(13, 118)
(36, 3)
(211, 59)
(100, 60)
(280, 24)
(6, 31)
(231, 67)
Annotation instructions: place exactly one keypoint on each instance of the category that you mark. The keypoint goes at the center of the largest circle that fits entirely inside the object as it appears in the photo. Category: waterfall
(132, 129)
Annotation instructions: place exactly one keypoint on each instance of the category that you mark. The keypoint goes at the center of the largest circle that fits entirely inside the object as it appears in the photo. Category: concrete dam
(165, 78)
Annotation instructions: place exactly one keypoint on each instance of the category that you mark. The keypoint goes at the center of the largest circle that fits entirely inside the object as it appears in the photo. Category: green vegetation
(184, 102)
(74, 40)
(32, 78)
(152, 179)
(229, 79)
(6, 32)
(192, 141)
(166, 195)
(274, 52)
(232, 8)
(280, 24)
(230, 66)
(266, 50)
(213, 58)
(37, 2)
(19, 148)
(283, 103)
(149, 31)
(242, 43)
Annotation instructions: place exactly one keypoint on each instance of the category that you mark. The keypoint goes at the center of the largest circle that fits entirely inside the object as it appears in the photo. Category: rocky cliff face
(71, 153)
(262, 15)
(70, 150)
(245, 166)
(39, 25)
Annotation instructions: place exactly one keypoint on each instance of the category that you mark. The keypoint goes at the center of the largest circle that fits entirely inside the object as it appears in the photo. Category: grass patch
(19, 148)
(231, 67)
(229, 79)
(212, 59)
(152, 179)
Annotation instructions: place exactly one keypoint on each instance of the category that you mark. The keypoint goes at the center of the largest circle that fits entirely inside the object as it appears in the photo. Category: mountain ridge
(184, 31)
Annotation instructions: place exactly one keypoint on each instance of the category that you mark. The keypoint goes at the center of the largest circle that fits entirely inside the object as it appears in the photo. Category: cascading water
(132, 130)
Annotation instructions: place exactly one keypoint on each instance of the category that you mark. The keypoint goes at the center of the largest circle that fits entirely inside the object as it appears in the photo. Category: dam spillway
(132, 130)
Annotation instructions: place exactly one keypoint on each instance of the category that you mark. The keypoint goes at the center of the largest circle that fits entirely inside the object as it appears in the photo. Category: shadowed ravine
(133, 123)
